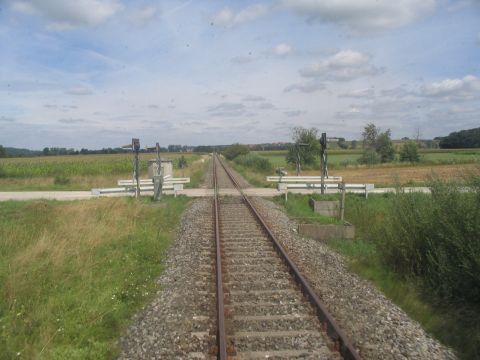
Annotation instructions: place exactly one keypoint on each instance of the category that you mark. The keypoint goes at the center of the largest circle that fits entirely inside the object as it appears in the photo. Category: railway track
(265, 307)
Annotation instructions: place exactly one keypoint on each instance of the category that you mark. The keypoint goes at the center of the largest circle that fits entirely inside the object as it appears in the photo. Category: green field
(347, 158)
(72, 274)
(84, 172)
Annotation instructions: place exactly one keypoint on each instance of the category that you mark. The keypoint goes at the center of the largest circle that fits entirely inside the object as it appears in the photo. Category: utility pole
(136, 171)
(135, 146)
(323, 161)
(158, 176)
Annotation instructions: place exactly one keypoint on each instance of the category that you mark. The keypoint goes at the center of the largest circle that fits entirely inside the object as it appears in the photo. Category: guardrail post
(342, 203)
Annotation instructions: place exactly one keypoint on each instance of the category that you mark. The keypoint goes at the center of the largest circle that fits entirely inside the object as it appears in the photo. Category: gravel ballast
(180, 322)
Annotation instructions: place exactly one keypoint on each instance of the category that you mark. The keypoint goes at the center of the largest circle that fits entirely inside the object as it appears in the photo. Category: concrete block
(167, 168)
(326, 232)
(327, 208)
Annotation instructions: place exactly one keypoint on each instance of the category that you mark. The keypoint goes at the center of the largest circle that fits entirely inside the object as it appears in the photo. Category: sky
(95, 73)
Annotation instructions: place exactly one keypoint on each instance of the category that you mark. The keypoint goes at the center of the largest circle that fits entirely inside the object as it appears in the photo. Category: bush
(384, 147)
(61, 180)
(409, 152)
(255, 162)
(182, 162)
(370, 157)
(436, 238)
(235, 150)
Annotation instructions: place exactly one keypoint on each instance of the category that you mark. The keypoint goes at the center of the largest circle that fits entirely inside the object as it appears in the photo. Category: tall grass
(255, 162)
(428, 246)
(73, 273)
(436, 238)
(422, 251)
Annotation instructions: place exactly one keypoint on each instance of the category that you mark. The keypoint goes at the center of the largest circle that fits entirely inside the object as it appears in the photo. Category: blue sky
(95, 73)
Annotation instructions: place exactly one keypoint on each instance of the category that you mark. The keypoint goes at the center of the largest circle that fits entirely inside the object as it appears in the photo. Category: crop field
(446, 164)
(83, 172)
(348, 158)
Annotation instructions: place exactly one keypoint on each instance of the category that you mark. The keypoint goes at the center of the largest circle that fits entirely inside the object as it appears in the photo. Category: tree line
(462, 139)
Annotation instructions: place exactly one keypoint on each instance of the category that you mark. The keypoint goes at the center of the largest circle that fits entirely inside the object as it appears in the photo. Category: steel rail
(345, 347)
(221, 334)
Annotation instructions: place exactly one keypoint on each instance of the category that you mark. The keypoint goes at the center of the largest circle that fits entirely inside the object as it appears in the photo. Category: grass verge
(298, 208)
(73, 273)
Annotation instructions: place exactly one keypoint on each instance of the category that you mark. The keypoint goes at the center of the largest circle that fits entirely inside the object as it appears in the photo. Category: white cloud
(228, 17)
(253, 98)
(143, 15)
(240, 60)
(359, 94)
(294, 113)
(344, 65)
(465, 88)
(79, 90)
(306, 87)
(227, 109)
(282, 49)
(362, 15)
(62, 15)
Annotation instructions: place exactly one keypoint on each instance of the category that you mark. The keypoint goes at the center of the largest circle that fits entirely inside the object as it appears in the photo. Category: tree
(3, 152)
(409, 152)
(384, 147)
(353, 144)
(232, 151)
(370, 136)
(46, 151)
(376, 141)
(461, 139)
(305, 148)
(342, 143)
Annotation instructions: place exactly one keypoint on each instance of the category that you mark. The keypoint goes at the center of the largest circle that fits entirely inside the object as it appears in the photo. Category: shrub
(235, 150)
(384, 147)
(409, 152)
(436, 239)
(255, 162)
(61, 180)
(370, 157)
(182, 162)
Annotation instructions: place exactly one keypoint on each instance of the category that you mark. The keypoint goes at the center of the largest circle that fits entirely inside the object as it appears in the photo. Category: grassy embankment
(73, 273)
(84, 172)
(423, 252)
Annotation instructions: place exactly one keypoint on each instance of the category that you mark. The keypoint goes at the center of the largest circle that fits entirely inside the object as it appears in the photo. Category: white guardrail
(314, 182)
(303, 179)
(128, 186)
